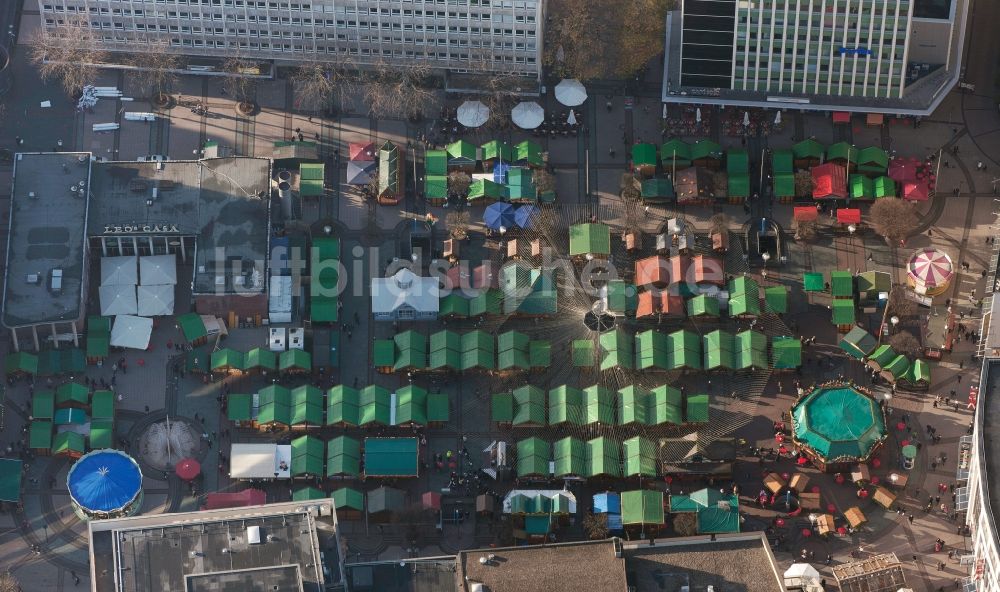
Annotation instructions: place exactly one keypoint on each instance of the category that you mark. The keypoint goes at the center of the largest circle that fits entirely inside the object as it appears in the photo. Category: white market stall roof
(260, 461)
(158, 269)
(118, 300)
(156, 300)
(131, 331)
(405, 289)
(119, 271)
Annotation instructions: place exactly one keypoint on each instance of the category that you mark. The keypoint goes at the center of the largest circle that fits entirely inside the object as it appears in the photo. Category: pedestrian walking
(910, 518)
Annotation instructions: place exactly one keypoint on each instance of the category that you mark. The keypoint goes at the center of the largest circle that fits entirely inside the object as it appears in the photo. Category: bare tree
(893, 219)
(630, 187)
(805, 230)
(906, 344)
(399, 92)
(686, 524)
(720, 222)
(900, 305)
(544, 180)
(502, 89)
(803, 184)
(596, 526)
(240, 82)
(318, 84)
(459, 183)
(458, 224)
(69, 53)
(8, 583)
(156, 70)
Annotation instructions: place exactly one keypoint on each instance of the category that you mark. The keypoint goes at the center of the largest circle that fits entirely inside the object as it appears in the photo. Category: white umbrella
(570, 92)
(777, 118)
(697, 115)
(664, 110)
(572, 118)
(528, 115)
(746, 118)
(473, 114)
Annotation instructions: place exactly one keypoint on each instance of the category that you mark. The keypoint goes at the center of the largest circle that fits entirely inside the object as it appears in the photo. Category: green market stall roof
(892, 371)
(307, 405)
(781, 162)
(838, 424)
(750, 350)
(304, 494)
(40, 434)
(461, 152)
(843, 312)
(307, 456)
(617, 350)
(311, 179)
(497, 149)
(593, 238)
(813, 281)
(260, 358)
(882, 355)
(776, 299)
(43, 404)
(529, 152)
(391, 457)
(718, 350)
(841, 284)
(343, 406)
(697, 408)
(375, 405)
(884, 187)
(10, 480)
(622, 297)
(533, 457)
(583, 353)
(739, 185)
(703, 149)
(343, 457)
(598, 405)
(717, 512)
(784, 184)
(643, 506)
(858, 342)
(192, 326)
(786, 353)
(842, 151)
(436, 186)
(529, 406)
(23, 362)
(873, 156)
(502, 407)
(297, 359)
(640, 457)
(737, 162)
(675, 151)
(436, 162)
(102, 434)
(919, 373)
(643, 155)
(348, 498)
(808, 148)
(102, 404)
(565, 406)
(72, 393)
(657, 189)
(227, 359)
(860, 187)
(239, 407)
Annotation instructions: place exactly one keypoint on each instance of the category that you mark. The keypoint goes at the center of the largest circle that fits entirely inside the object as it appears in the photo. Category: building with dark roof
(291, 547)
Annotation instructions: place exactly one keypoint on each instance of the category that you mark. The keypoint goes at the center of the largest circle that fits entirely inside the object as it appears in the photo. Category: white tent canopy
(156, 300)
(528, 115)
(473, 114)
(571, 92)
(801, 575)
(118, 300)
(260, 461)
(131, 331)
(158, 269)
(119, 271)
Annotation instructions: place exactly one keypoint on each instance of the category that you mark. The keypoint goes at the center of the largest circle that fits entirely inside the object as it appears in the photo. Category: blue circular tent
(105, 484)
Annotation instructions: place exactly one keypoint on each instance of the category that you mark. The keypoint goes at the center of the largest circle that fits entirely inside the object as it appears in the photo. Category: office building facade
(854, 55)
(451, 35)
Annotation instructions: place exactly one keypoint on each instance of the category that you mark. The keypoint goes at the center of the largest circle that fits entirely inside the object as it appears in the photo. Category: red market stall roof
(242, 499)
(363, 151)
(904, 170)
(875, 119)
(916, 191)
(829, 181)
(805, 213)
(849, 216)
(841, 117)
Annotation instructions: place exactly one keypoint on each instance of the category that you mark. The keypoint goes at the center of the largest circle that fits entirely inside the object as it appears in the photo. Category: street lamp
(894, 320)
(851, 229)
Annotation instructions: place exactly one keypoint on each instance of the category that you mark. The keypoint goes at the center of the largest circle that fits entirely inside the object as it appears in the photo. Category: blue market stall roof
(839, 423)
(104, 481)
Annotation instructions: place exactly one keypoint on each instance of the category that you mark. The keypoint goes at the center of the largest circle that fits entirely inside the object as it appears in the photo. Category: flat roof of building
(214, 550)
(431, 574)
(40, 242)
(590, 566)
(225, 202)
(729, 562)
(989, 399)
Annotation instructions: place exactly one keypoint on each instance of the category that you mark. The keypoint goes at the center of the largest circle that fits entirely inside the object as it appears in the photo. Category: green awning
(786, 353)
(644, 506)
(40, 434)
(22, 362)
(348, 498)
(706, 149)
(529, 406)
(311, 179)
(528, 152)
(808, 148)
(495, 149)
(776, 299)
(643, 155)
(343, 406)
(227, 359)
(260, 358)
(697, 408)
(102, 404)
(502, 407)
(718, 349)
(583, 353)
(10, 480)
(295, 359)
(307, 456)
(781, 162)
(858, 342)
(43, 404)
(192, 326)
(72, 393)
(565, 405)
(592, 238)
(813, 281)
(843, 312)
(640, 457)
(841, 284)
(436, 162)
(239, 406)
(598, 405)
(737, 162)
(68, 443)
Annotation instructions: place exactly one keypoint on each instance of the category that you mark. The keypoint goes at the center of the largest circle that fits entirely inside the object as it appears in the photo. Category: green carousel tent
(838, 424)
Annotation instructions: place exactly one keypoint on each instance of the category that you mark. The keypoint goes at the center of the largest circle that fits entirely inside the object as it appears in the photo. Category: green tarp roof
(343, 406)
(737, 162)
(40, 434)
(10, 480)
(348, 498)
(643, 506)
(43, 404)
(391, 457)
(643, 155)
(841, 284)
(192, 326)
(705, 149)
(858, 342)
(529, 152)
(718, 349)
(102, 405)
(529, 406)
(808, 148)
(592, 238)
(786, 353)
(781, 161)
(839, 423)
(239, 407)
(436, 162)
(843, 312)
(813, 281)
(310, 179)
(675, 149)
(497, 149)
(776, 299)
